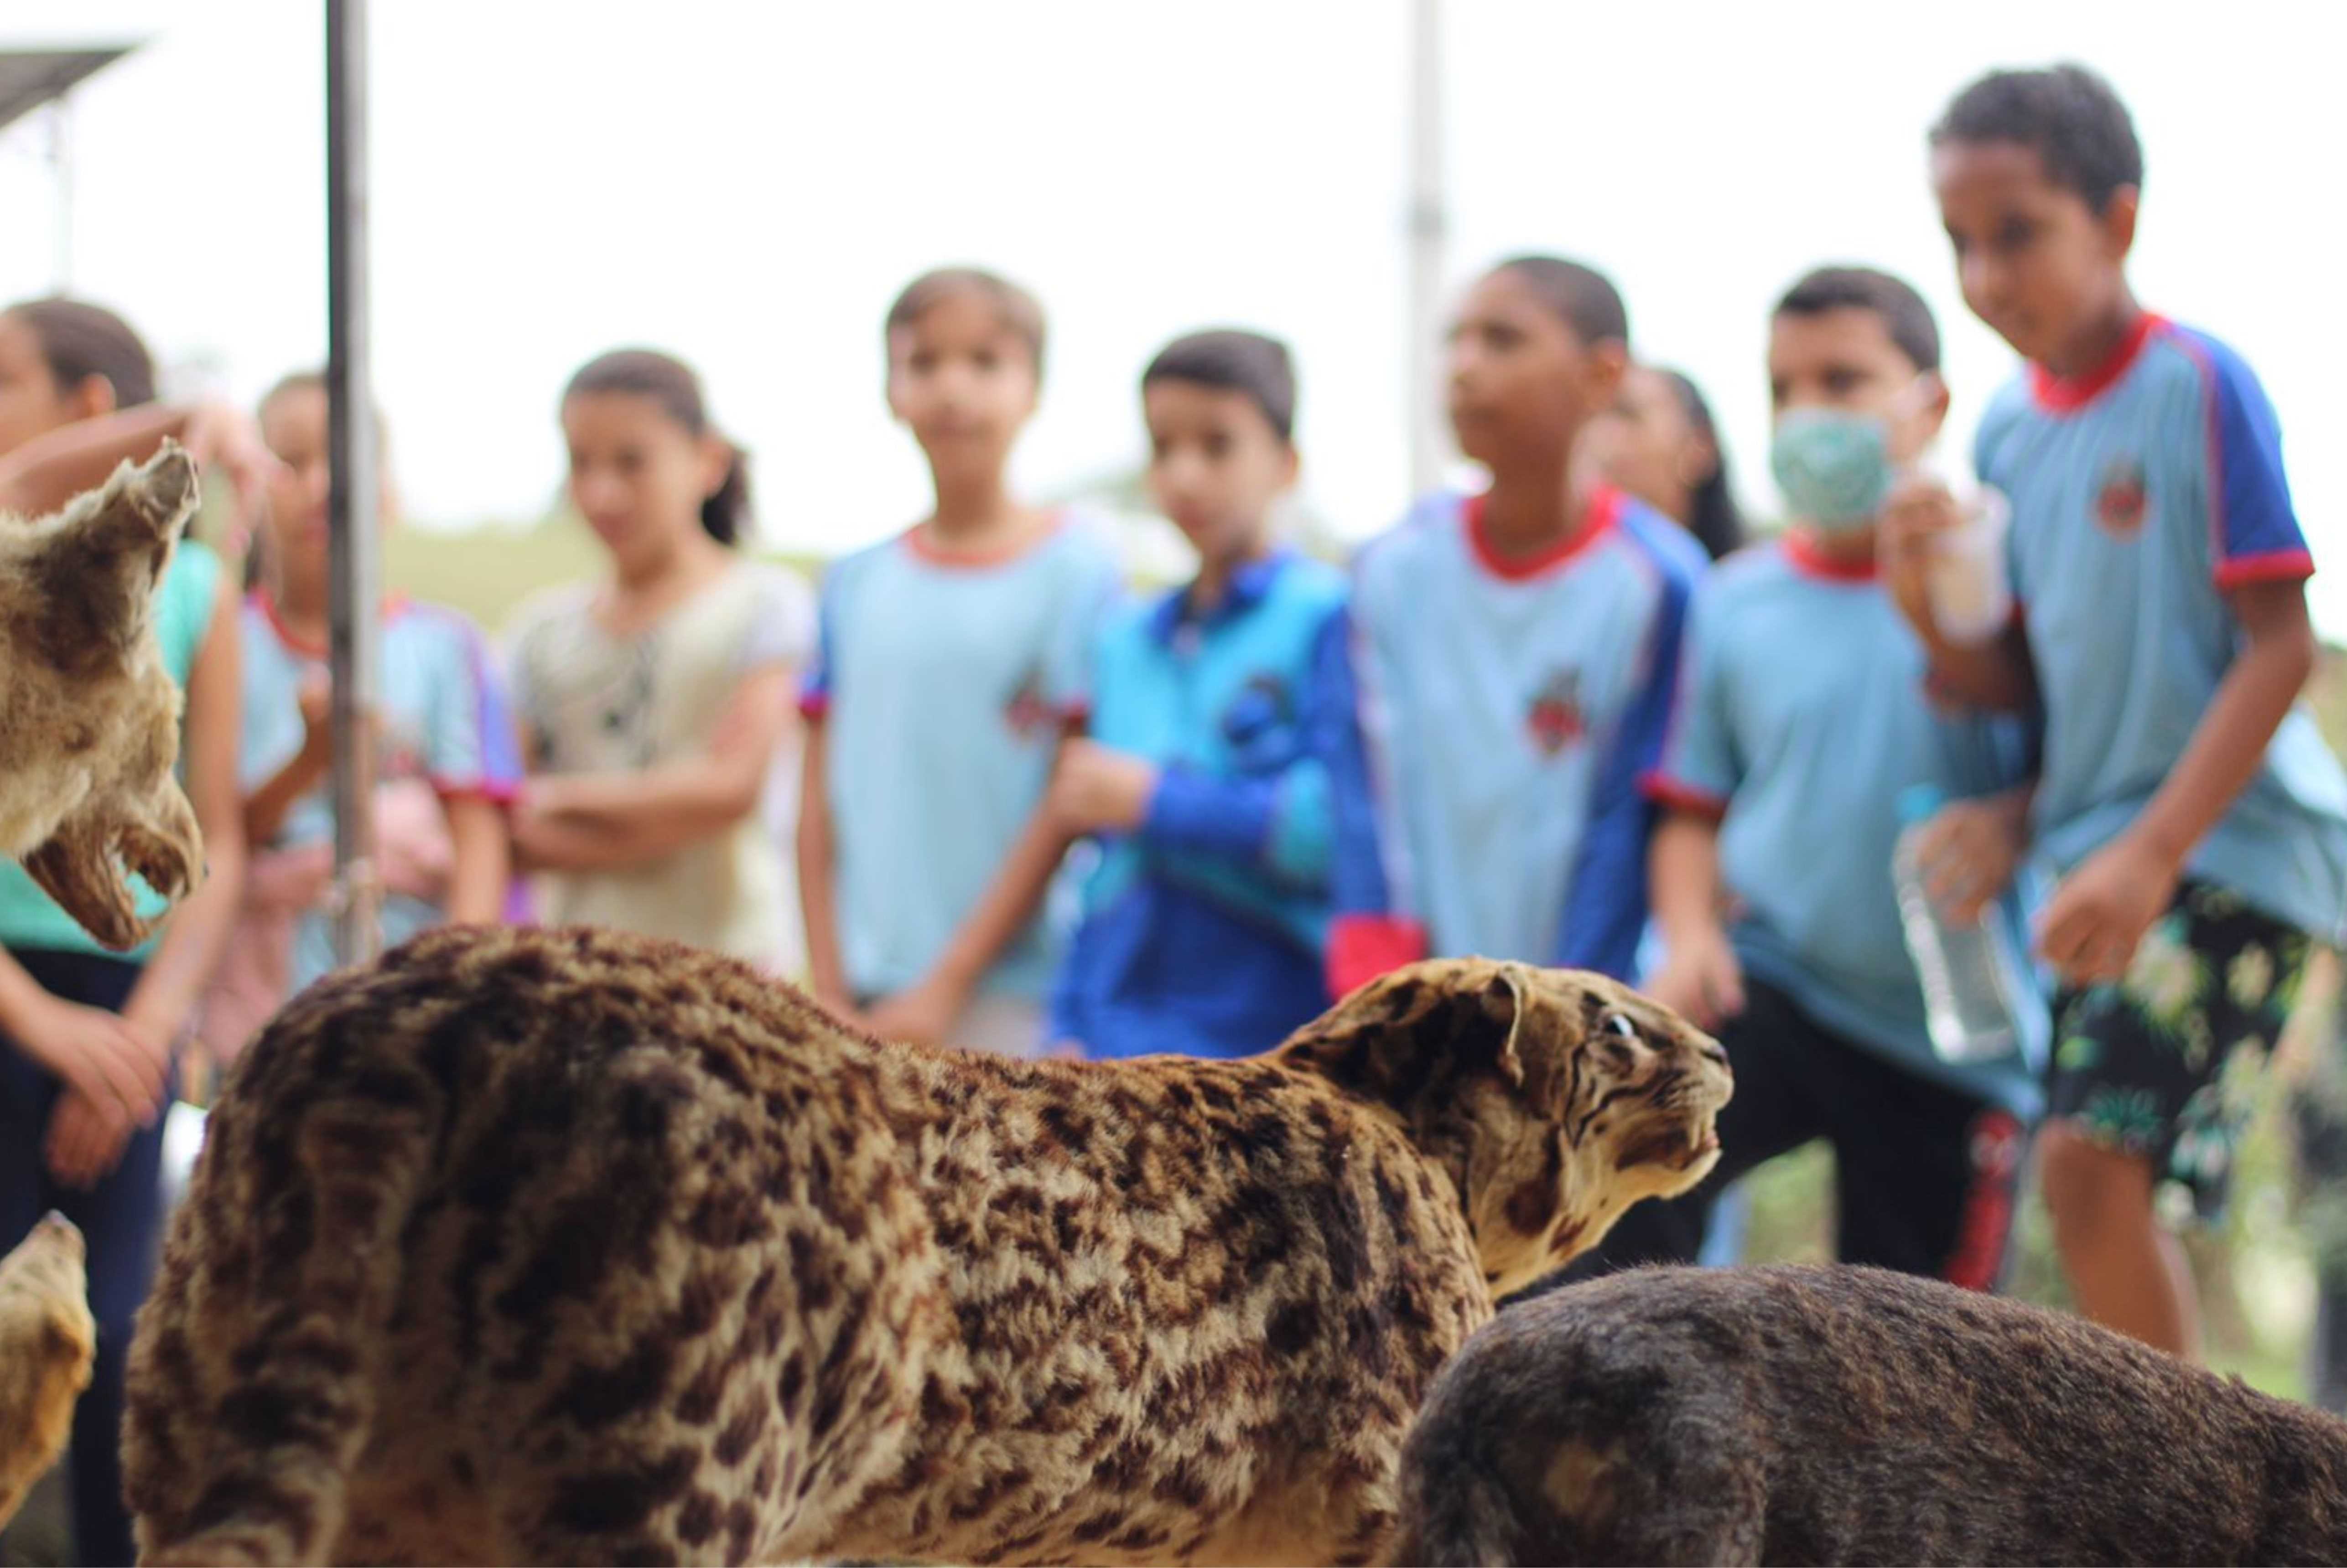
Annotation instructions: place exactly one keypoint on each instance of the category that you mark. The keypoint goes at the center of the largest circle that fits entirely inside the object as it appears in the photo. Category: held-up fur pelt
(568, 1247)
(90, 718)
(1790, 1414)
(48, 1343)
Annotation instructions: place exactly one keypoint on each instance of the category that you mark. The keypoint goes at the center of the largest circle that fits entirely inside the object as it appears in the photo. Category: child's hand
(2089, 928)
(100, 1057)
(922, 1015)
(221, 435)
(1919, 510)
(1968, 851)
(316, 699)
(1097, 790)
(85, 1140)
(1700, 978)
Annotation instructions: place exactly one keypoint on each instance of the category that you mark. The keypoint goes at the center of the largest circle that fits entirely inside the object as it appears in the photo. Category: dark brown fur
(89, 718)
(1850, 1415)
(568, 1247)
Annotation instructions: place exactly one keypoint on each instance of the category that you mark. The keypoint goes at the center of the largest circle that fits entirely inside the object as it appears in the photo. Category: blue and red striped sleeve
(2253, 528)
(815, 685)
(1606, 906)
(1370, 932)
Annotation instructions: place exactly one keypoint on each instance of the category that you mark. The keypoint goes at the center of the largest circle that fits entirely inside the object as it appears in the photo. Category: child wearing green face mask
(1797, 729)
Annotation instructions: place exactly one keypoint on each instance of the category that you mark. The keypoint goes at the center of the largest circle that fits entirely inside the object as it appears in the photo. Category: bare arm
(1682, 872)
(86, 1135)
(2228, 745)
(196, 932)
(50, 470)
(927, 1011)
(304, 771)
(2091, 925)
(618, 820)
(825, 975)
(1700, 975)
(476, 887)
(693, 797)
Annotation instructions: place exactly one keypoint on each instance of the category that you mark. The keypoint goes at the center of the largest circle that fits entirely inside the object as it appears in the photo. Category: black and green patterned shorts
(2165, 1063)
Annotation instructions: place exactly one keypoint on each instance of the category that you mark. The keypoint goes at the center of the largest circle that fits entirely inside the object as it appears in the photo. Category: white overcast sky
(748, 184)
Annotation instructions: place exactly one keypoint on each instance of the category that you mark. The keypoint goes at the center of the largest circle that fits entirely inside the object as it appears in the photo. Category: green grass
(2254, 1271)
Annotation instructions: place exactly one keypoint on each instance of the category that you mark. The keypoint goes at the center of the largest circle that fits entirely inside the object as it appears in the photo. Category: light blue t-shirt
(944, 686)
(30, 920)
(444, 720)
(2139, 495)
(1507, 710)
(1800, 718)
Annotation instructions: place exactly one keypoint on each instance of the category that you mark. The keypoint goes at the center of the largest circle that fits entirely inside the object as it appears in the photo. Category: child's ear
(92, 397)
(1291, 466)
(1698, 460)
(2118, 222)
(1603, 366)
(716, 461)
(1935, 406)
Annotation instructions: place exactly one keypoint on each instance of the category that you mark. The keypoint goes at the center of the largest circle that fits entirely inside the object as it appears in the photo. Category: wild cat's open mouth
(1678, 1148)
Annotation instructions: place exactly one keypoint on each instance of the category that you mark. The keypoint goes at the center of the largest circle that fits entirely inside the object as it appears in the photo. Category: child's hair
(2077, 124)
(315, 380)
(1228, 360)
(669, 383)
(79, 339)
(1017, 310)
(1582, 296)
(1713, 517)
(1902, 311)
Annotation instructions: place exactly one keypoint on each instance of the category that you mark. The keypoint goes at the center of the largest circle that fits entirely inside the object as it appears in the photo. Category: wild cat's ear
(1394, 1036)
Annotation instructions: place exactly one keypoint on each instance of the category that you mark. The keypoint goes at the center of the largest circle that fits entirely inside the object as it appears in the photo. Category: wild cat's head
(1555, 1097)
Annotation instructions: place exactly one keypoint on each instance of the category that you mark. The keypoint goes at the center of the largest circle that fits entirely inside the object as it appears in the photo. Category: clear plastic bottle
(1966, 977)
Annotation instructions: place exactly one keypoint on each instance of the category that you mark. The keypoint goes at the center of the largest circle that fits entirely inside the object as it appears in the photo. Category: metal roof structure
(32, 77)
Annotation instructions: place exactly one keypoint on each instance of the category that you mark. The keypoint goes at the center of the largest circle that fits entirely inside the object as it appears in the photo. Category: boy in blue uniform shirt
(1797, 730)
(1215, 710)
(1515, 652)
(2199, 825)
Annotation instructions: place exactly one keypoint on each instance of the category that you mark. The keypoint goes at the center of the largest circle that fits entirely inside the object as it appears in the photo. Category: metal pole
(61, 177)
(1428, 224)
(353, 490)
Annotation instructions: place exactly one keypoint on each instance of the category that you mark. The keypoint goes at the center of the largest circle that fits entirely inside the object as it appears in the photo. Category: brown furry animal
(90, 718)
(1850, 1415)
(47, 1344)
(568, 1247)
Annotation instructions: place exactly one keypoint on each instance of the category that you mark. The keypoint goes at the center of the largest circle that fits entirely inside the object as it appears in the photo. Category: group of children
(1534, 722)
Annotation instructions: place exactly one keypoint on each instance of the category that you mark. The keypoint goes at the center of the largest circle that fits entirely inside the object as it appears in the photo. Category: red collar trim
(963, 561)
(2066, 394)
(393, 604)
(1597, 520)
(1802, 550)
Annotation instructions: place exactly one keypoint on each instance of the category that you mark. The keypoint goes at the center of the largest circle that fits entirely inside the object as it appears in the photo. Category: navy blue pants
(119, 1219)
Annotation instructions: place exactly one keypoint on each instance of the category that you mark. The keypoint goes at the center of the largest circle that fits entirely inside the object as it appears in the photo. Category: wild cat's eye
(1619, 1023)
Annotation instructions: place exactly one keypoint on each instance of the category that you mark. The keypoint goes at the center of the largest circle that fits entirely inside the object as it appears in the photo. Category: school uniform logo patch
(2122, 498)
(1554, 719)
(1028, 712)
(1259, 725)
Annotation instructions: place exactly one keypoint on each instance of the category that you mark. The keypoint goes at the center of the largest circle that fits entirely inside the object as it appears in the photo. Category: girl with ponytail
(653, 703)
